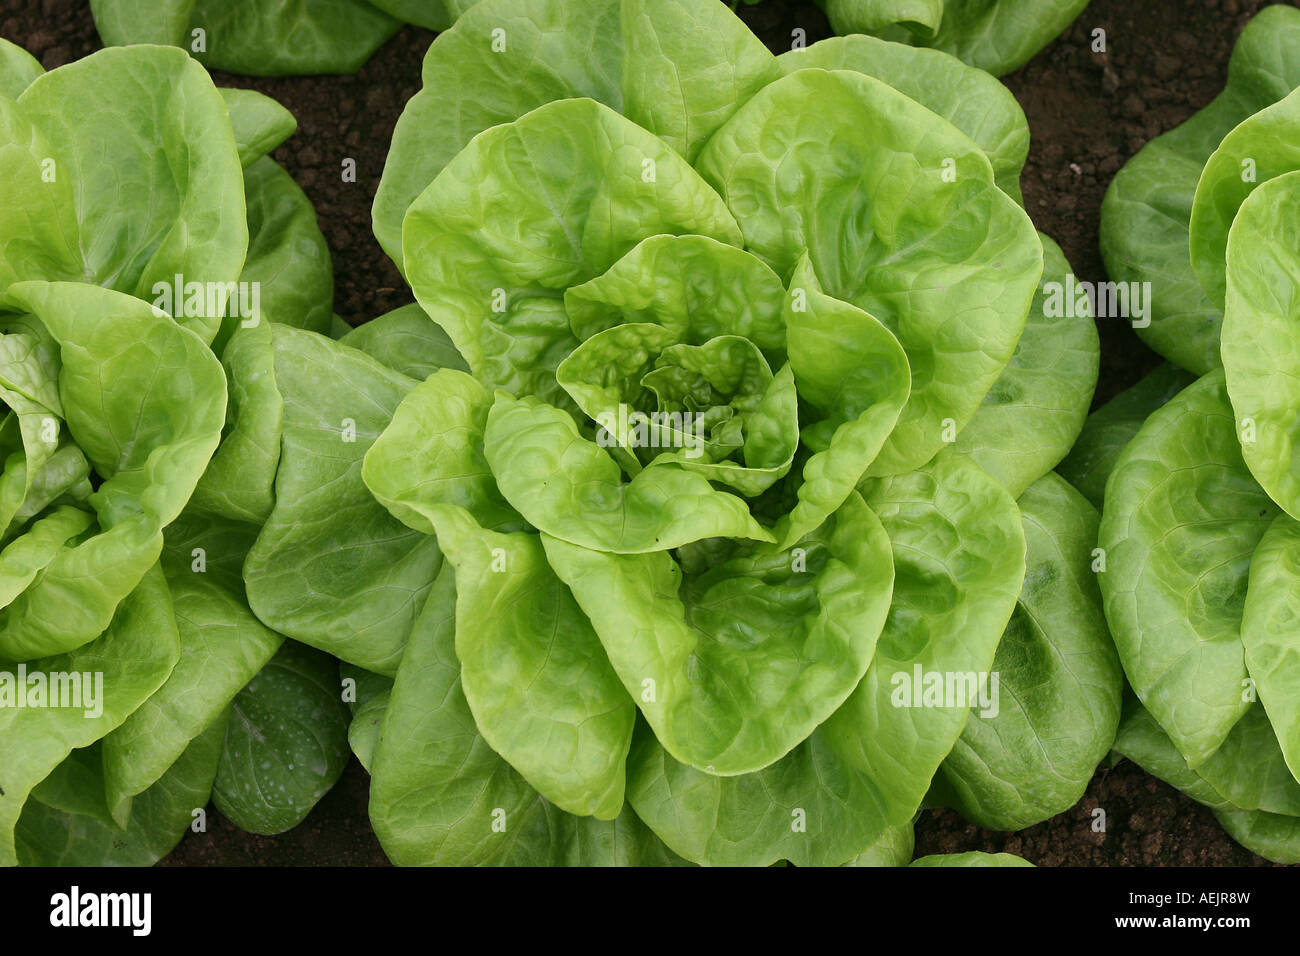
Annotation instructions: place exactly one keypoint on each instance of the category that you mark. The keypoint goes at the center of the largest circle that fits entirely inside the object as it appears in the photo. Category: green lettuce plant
(594, 636)
(132, 482)
(994, 35)
(1146, 215)
(1202, 543)
(271, 39)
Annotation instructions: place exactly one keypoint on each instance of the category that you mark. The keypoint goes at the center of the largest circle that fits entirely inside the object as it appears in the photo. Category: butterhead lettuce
(723, 463)
(133, 471)
(1200, 511)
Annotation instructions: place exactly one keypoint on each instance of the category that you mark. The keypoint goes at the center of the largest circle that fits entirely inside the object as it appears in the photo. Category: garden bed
(1088, 113)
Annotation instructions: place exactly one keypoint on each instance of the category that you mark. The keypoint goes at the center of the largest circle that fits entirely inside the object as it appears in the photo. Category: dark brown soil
(337, 833)
(1088, 114)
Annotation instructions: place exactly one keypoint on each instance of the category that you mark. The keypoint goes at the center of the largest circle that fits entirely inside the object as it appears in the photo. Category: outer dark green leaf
(286, 743)
(223, 647)
(1111, 427)
(1059, 679)
(407, 341)
(1271, 835)
(331, 567)
(287, 255)
(244, 36)
(52, 835)
(259, 122)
